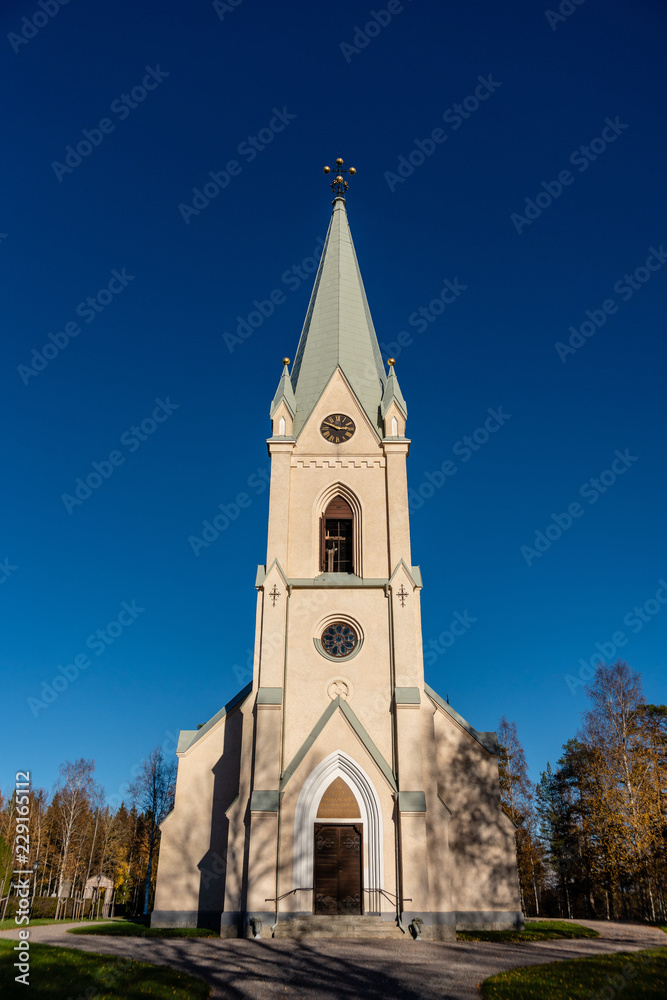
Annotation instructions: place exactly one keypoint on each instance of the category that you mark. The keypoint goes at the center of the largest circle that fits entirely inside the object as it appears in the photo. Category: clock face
(337, 428)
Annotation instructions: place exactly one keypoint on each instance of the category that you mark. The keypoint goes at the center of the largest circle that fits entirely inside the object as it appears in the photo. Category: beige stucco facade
(435, 842)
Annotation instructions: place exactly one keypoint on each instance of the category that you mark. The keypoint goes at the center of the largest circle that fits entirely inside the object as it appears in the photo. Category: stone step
(338, 927)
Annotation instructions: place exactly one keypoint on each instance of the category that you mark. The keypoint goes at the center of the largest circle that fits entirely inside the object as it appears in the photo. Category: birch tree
(72, 800)
(516, 792)
(153, 790)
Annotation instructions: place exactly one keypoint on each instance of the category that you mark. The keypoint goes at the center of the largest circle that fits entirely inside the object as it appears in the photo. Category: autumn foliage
(592, 835)
(74, 837)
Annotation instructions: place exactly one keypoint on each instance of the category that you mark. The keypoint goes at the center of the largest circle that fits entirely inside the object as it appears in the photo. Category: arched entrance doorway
(338, 853)
(307, 818)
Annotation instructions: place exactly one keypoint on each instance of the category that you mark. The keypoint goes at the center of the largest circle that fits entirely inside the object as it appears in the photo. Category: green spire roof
(393, 394)
(284, 391)
(338, 331)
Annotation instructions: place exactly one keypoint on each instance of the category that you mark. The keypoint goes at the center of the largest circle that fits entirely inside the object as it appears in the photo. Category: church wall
(308, 485)
(437, 817)
(408, 658)
(367, 673)
(316, 465)
(397, 503)
(481, 837)
(337, 735)
(271, 627)
(194, 846)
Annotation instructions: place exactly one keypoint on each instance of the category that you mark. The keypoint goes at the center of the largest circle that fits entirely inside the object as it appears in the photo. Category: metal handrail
(388, 895)
(406, 899)
(274, 899)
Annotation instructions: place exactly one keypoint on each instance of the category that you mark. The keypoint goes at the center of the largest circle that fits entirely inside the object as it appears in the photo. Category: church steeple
(338, 331)
(337, 781)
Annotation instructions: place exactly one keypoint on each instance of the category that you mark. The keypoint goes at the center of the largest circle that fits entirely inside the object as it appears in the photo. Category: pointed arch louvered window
(337, 538)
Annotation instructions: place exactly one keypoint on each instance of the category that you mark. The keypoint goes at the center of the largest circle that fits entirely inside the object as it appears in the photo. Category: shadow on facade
(481, 836)
(214, 865)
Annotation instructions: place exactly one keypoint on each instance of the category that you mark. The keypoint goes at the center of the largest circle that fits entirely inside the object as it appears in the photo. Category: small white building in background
(92, 886)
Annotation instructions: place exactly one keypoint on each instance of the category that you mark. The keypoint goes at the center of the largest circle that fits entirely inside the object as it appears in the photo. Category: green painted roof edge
(487, 740)
(284, 392)
(414, 572)
(308, 742)
(392, 394)
(263, 572)
(359, 730)
(264, 801)
(412, 802)
(345, 580)
(368, 743)
(225, 710)
(270, 696)
(407, 696)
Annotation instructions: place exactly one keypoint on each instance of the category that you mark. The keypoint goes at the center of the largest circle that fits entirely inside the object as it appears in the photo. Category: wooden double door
(337, 883)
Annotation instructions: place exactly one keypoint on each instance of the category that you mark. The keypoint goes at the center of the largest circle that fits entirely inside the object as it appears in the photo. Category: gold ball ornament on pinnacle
(339, 185)
(391, 362)
(285, 361)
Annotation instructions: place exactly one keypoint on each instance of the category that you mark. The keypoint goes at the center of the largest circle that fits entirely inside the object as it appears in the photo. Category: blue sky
(540, 199)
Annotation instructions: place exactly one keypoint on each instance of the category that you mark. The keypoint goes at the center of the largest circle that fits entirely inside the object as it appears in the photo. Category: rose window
(339, 639)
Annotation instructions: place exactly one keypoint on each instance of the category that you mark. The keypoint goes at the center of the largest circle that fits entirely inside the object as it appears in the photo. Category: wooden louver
(338, 511)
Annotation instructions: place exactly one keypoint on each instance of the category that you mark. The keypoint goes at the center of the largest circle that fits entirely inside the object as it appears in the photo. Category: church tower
(338, 787)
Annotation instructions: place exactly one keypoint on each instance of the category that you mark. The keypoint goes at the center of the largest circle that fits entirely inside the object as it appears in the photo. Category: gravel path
(332, 969)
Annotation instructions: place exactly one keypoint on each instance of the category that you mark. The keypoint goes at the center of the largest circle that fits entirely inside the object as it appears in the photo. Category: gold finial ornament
(391, 362)
(339, 185)
(285, 361)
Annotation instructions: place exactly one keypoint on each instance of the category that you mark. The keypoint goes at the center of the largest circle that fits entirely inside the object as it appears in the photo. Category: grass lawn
(10, 924)
(62, 973)
(535, 930)
(640, 975)
(128, 928)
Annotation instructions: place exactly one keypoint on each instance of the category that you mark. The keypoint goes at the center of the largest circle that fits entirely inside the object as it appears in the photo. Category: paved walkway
(329, 969)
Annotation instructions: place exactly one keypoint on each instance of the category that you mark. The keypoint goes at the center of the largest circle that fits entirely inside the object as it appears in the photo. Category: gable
(338, 397)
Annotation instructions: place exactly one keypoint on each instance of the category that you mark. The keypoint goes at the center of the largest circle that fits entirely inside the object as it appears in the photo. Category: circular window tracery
(339, 639)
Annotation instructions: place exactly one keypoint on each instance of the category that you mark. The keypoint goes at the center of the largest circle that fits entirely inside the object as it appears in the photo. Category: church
(338, 794)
